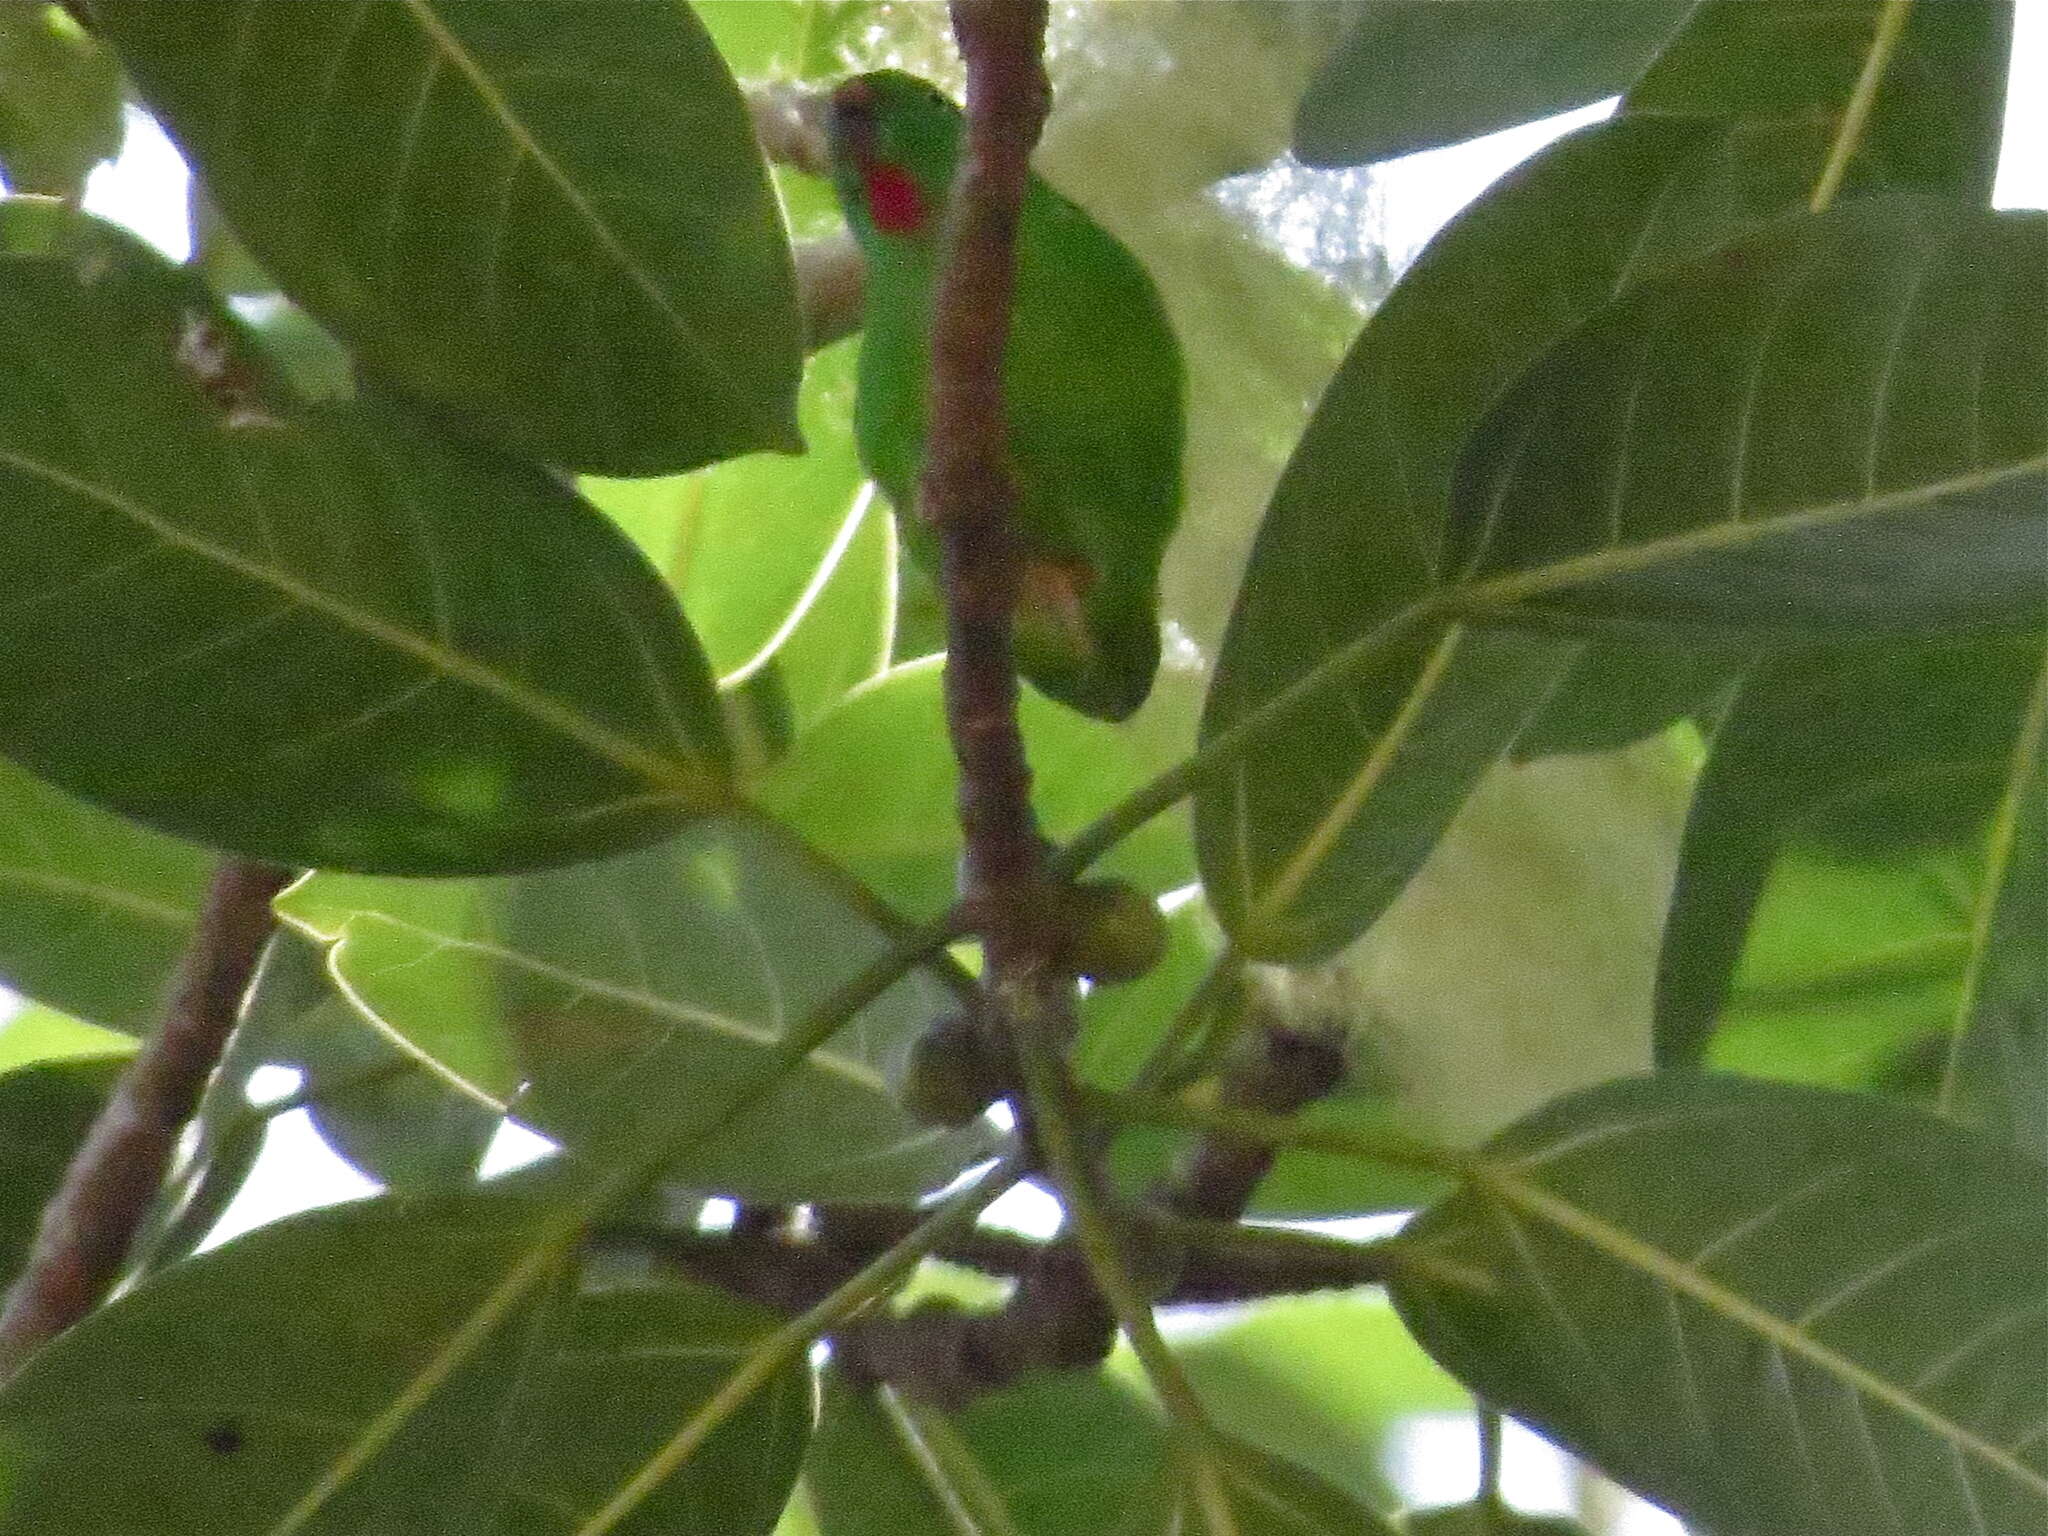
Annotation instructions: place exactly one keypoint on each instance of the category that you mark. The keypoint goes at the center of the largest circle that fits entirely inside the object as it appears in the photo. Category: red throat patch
(894, 201)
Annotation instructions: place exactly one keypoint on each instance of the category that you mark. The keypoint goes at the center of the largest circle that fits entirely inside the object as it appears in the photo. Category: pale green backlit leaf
(633, 996)
(94, 910)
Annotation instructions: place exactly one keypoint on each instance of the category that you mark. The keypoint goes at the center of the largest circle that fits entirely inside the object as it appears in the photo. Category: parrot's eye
(853, 117)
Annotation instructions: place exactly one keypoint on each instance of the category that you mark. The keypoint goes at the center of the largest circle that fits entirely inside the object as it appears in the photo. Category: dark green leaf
(1940, 97)
(1269, 1495)
(326, 637)
(1313, 672)
(1301, 852)
(151, 1415)
(45, 1111)
(637, 996)
(1841, 422)
(1620, 691)
(1770, 1309)
(1069, 1455)
(1998, 1077)
(1414, 74)
(585, 264)
(94, 911)
(60, 100)
(1832, 779)
(1352, 537)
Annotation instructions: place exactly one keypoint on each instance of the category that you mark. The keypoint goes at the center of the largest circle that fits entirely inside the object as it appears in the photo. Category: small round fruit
(1115, 933)
(949, 1080)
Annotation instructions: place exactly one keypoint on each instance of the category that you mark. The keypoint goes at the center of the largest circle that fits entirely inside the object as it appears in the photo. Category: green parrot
(1092, 380)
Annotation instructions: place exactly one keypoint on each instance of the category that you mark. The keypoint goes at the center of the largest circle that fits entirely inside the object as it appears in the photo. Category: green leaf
(152, 1416)
(843, 638)
(1072, 1454)
(1299, 855)
(1285, 1374)
(39, 1033)
(321, 636)
(1351, 543)
(1810, 922)
(896, 830)
(765, 529)
(371, 1098)
(1939, 105)
(784, 39)
(1619, 692)
(1998, 1075)
(1075, 1452)
(1768, 1308)
(1414, 74)
(638, 995)
(1849, 432)
(45, 1110)
(584, 264)
(746, 542)
(1325, 652)
(1271, 1496)
(60, 100)
(94, 911)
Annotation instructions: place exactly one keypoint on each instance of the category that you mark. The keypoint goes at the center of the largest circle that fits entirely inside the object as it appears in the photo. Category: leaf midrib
(675, 779)
(1732, 533)
(1625, 1248)
(665, 1009)
(601, 231)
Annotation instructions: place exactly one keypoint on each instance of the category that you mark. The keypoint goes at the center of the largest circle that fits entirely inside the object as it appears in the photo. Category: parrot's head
(894, 140)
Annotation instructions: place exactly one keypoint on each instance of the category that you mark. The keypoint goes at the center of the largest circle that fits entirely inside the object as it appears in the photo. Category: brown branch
(831, 288)
(89, 1224)
(789, 126)
(965, 493)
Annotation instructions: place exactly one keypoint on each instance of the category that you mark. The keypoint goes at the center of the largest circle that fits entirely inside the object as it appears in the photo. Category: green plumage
(1092, 379)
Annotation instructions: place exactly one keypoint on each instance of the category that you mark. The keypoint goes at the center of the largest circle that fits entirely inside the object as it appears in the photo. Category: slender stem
(91, 1222)
(1223, 1241)
(1492, 1506)
(1393, 1148)
(1244, 733)
(788, 1343)
(1045, 1078)
(1891, 24)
